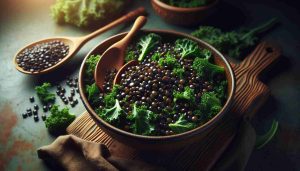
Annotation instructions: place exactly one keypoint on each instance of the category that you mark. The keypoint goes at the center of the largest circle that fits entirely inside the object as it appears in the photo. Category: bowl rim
(184, 9)
(189, 133)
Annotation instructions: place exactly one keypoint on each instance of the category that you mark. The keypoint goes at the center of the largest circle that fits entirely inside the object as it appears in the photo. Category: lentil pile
(175, 88)
(42, 56)
(48, 98)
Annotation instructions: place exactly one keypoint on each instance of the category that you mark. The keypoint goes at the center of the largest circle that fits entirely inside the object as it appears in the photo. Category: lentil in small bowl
(168, 99)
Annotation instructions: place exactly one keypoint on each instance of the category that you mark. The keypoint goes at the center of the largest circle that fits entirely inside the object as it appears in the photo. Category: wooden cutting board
(250, 94)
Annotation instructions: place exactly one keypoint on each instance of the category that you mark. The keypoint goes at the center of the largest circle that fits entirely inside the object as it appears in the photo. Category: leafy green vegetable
(169, 60)
(147, 43)
(186, 3)
(181, 125)
(59, 120)
(210, 104)
(43, 93)
(187, 48)
(129, 56)
(156, 56)
(234, 42)
(179, 72)
(204, 68)
(109, 99)
(188, 94)
(83, 13)
(143, 120)
(92, 92)
(262, 140)
(112, 115)
(91, 63)
(220, 89)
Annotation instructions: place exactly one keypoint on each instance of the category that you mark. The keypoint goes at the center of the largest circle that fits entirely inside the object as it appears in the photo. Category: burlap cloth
(74, 154)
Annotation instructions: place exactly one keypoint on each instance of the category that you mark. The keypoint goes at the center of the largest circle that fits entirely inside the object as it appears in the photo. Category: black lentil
(31, 99)
(42, 56)
(24, 115)
(36, 118)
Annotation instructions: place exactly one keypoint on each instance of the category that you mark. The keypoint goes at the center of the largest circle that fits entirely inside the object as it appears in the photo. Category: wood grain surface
(250, 94)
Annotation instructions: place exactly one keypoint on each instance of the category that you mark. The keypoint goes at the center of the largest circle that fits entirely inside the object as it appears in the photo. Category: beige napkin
(75, 154)
(72, 153)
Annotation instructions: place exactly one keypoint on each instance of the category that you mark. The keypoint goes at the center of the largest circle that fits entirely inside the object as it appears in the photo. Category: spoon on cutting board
(114, 56)
(75, 43)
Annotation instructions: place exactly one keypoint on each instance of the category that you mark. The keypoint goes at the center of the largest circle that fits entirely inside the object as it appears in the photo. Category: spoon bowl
(75, 43)
(72, 43)
(113, 57)
(117, 78)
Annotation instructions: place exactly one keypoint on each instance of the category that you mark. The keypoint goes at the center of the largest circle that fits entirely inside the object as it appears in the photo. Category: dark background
(25, 21)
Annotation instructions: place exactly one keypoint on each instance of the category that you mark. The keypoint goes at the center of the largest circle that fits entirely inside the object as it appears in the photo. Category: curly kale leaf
(206, 69)
(83, 13)
(187, 48)
(143, 120)
(92, 93)
(147, 43)
(91, 63)
(156, 56)
(187, 95)
(109, 99)
(220, 89)
(232, 43)
(59, 120)
(43, 93)
(210, 104)
(181, 125)
(129, 56)
(112, 115)
(180, 72)
(169, 60)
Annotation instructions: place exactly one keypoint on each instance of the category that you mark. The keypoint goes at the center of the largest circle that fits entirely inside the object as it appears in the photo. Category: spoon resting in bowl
(114, 56)
(73, 44)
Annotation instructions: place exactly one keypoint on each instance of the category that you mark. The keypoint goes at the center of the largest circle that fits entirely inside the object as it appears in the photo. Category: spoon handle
(138, 24)
(128, 17)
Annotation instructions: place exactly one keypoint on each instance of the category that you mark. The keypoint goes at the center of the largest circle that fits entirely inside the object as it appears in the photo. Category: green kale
(147, 43)
(91, 63)
(181, 125)
(130, 55)
(210, 104)
(187, 48)
(84, 13)
(112, 115)
(143, 120)
(109, 99)
(179, 72)
(43, 93)
(59, 120)
(156, 56)
(93, 93)
(186, 3)
(232, 43)
(188, 95)
(220, 88)
(205, 69)
(169, 60)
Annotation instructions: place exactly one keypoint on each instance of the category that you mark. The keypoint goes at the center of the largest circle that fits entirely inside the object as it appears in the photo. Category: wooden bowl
(183, 16)
(159, 143)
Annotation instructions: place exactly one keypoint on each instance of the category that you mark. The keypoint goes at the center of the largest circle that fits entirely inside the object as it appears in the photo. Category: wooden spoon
(75, 43)
(113, 57)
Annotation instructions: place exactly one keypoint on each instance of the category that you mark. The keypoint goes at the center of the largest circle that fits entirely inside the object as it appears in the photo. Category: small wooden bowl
(183, 16)
(160, 143)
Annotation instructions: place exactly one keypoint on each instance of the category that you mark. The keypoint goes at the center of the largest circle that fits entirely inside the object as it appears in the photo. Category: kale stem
(262, 28)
